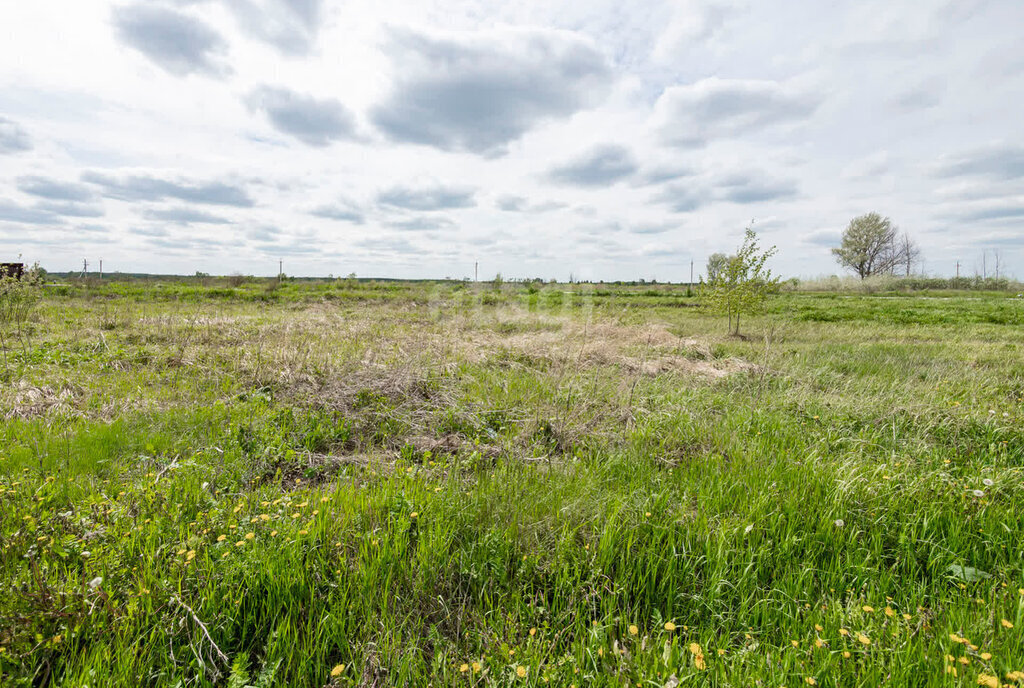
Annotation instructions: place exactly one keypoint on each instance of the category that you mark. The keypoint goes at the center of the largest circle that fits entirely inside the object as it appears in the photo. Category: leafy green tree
(18, 298)
(716, 264)
(743, 283)
(869, 246)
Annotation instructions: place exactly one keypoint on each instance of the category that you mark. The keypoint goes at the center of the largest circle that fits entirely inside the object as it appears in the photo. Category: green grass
(439, 484)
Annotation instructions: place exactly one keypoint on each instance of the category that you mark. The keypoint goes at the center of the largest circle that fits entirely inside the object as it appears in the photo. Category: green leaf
(239, 672)
(967, 574)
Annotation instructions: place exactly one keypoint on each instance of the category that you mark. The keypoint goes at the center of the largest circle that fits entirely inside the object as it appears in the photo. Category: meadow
(358, 483)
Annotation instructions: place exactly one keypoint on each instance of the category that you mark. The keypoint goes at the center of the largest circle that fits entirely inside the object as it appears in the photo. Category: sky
(598, 140)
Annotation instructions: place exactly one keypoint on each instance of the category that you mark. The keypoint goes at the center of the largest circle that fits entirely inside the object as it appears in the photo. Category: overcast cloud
(605, 140)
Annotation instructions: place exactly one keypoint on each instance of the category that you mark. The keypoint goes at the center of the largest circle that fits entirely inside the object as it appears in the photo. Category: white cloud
(713, 108)
(180, 43)
(480, 91)
(414, 139)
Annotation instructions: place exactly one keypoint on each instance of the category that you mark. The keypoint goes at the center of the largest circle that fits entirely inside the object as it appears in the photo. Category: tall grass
(369, 492)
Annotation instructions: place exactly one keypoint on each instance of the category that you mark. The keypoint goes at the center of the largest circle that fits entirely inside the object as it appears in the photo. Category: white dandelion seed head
(987, 482)
(86, 555)
(978, 493)
(748, 528)
(96, 582)
(840, 523)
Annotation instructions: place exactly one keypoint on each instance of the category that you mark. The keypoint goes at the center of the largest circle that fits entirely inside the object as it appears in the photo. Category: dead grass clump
(30, 401)
(651, 350)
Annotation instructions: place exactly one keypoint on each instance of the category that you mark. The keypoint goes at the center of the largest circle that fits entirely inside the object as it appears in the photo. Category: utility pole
(984, 270)
(476, 271)
(85, 268)
(101, 268)
(280, 269)
(691, 272)
(958, 269)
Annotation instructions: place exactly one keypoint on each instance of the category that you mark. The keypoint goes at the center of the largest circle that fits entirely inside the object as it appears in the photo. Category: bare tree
(908, 253)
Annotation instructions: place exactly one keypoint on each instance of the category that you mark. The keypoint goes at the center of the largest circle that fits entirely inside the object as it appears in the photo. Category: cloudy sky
(606, 139)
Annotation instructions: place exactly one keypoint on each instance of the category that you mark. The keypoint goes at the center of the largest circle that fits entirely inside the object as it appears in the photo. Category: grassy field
(408, 484)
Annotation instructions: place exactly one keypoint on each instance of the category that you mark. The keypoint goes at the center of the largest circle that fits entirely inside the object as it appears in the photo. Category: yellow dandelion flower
(846, 654)
(694, 649)
(818, 628)
(988, 680)
(956, 638)
(863, 639)
(264, 517)
(414, 514)
(721, 652)
(250, 536)
(818, 642)
(190, 555)
(811, 681)
(181, 551)
(533, 631)
(302, 505)
(521, 671)
(273, 533)
(906, 617)
(476, 666)
(964, 661)
(324, 500)
(986, 656)
(463, 668)
(889, 612)
(633, 630)
(303, 532)
(698, 662)
(222, 537)
(336, 671)
(600, 652)
(239, 543)
(669, 626)
(844, 632)
(868, 608)
(1006, 623)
